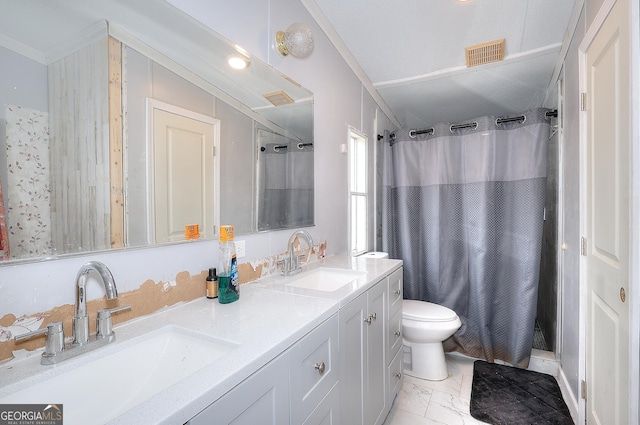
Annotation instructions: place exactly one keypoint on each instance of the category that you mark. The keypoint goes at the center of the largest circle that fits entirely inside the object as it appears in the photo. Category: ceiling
(413, 53)
(410, 53)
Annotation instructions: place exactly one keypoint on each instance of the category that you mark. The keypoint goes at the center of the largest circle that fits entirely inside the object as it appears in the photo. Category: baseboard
(543, 362)
(567, 394)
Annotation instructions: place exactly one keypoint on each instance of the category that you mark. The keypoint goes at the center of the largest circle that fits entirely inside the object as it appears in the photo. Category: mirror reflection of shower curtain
(464, 209)
(285, 183)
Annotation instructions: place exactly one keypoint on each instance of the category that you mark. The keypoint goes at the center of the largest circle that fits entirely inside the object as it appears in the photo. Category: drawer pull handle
(398, 375)
(397, 291)
(320, 367)
(373, 316)
(397, 333)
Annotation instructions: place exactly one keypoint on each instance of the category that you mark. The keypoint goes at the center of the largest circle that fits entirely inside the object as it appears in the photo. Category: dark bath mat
(504, 395)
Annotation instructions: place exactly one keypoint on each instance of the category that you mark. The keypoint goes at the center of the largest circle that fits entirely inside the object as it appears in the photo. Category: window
(358, 192)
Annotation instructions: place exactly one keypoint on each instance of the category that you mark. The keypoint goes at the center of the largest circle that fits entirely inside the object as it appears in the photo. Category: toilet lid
(423, 311)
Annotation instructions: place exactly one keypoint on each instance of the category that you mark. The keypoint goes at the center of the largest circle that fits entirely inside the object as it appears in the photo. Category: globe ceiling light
(296, 41)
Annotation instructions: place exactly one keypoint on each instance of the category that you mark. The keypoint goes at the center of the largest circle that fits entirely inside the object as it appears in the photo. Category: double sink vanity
(322, 346)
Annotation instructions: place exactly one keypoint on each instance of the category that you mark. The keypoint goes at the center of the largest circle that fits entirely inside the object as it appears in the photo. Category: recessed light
(236, 61)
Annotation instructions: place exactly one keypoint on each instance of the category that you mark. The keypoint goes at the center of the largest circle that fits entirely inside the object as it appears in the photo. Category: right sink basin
(326, 279)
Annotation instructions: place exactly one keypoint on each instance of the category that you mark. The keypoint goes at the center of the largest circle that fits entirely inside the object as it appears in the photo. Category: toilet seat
(422, 311)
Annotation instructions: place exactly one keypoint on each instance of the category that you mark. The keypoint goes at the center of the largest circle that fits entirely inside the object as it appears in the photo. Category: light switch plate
(240, 249)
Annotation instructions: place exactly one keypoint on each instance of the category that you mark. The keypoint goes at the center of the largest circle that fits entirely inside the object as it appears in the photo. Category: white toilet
(424, 327)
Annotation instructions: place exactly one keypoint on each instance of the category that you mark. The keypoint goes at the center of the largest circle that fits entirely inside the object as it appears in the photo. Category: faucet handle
(55, 338)
(286, 266)
(104, 324)
(297, 261)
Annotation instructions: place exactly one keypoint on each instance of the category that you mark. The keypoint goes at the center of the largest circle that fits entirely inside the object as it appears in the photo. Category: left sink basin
(108, 386)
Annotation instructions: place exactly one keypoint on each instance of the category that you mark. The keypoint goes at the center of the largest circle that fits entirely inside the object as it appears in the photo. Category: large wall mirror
(122, 125)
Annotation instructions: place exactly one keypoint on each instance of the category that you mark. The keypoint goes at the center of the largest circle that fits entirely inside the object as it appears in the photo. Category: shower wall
(547, 311)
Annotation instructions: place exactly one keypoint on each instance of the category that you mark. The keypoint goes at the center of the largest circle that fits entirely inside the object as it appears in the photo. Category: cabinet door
(352, 360)
(375, 391)
(314, 369)
(263, 398)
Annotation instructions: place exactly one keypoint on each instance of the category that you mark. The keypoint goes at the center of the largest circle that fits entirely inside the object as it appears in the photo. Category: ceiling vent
(480, 54)
(278, 98)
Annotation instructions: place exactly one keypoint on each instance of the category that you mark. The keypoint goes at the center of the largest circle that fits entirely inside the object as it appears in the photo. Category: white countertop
(268, 318)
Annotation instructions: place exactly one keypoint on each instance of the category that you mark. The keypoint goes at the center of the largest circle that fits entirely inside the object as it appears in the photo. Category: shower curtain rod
(278, 147)
(429, 131)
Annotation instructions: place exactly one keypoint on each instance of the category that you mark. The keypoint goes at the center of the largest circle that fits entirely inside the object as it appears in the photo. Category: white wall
(339, 100)
(23, 82)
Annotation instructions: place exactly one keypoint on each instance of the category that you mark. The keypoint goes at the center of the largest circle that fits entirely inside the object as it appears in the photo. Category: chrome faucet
(55, 349)
(81, 318)
(291, 263)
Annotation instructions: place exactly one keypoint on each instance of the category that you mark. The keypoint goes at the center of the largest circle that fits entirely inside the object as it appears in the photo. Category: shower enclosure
(463, 207)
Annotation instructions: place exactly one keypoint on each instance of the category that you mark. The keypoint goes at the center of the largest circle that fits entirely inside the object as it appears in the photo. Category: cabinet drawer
(314, 369)
(395, 291)
(394, 337)
(395, 376)
(327, 412)
(263, 398)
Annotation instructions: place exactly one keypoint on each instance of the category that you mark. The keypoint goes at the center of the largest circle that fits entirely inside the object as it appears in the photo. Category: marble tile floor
(422, 402)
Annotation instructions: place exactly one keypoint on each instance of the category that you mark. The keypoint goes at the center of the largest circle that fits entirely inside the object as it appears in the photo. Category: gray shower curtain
(285, 183)
(464, 209)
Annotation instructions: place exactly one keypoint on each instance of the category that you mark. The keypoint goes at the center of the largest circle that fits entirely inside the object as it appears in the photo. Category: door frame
(634, 211)
(152, 105)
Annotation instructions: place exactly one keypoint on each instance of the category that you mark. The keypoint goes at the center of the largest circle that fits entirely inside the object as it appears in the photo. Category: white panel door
(607, 219)
(184, 182)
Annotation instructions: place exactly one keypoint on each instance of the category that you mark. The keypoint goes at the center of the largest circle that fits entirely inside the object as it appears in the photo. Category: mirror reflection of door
(185, 171)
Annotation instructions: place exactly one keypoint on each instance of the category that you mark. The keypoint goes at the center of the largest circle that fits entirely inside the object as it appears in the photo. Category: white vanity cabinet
(298, 387)
(347, 370)
(362, 357)
(394, 336)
